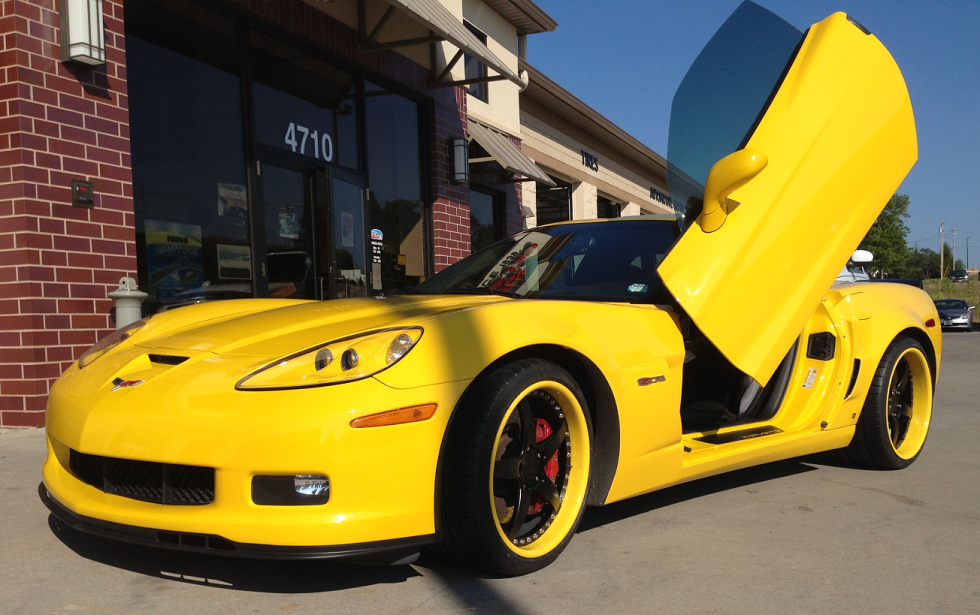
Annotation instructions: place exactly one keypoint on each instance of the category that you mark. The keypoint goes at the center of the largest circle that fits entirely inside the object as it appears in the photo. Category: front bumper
(382, 479)
(382, 551)
(957, 326)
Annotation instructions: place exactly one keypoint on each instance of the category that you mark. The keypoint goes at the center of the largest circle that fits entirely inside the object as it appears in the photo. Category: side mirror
(972, 307)
(861, 257)
(727, 175)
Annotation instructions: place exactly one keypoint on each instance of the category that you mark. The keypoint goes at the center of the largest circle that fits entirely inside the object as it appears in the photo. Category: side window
(475, 69)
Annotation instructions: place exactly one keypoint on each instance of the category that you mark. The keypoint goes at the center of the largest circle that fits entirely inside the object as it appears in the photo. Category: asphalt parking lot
(798, 536)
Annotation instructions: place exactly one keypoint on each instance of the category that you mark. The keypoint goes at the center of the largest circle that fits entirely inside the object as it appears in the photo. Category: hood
(279, 332)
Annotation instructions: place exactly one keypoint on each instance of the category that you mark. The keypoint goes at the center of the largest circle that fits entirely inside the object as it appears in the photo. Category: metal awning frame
(369, 42)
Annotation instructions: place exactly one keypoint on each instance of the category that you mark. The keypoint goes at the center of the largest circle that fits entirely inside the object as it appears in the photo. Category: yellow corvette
(570, 365)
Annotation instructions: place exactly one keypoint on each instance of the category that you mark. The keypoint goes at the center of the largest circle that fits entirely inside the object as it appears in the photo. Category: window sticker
(811, 375)
(637, 288)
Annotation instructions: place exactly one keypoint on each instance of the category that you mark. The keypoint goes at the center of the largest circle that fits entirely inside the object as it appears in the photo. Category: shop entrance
(315, 241)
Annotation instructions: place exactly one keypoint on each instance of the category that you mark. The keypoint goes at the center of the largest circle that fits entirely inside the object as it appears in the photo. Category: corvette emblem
(120, 383)
(648, 381)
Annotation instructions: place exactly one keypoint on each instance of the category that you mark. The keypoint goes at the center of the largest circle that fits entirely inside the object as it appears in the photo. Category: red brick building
(239, 148)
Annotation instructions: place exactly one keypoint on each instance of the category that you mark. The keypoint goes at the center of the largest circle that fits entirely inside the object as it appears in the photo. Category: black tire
(494, 467)
(894, 422)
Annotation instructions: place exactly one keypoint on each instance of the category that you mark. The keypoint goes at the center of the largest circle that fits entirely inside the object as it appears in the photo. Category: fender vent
(167, 359)
(161, 483)
(854, 377)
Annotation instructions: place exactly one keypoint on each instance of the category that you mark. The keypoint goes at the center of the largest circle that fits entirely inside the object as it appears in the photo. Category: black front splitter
(399, 550)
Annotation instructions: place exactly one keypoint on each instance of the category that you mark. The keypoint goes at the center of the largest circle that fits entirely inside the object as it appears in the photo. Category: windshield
(951, 304)
(596, 261)
(722, 96)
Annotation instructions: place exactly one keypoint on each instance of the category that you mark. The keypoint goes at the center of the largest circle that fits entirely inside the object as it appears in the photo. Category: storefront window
(475, 69)
(188, 153)
(397, 223)
(302, 104)
(485, 227)
(554, 203)
(607, 208)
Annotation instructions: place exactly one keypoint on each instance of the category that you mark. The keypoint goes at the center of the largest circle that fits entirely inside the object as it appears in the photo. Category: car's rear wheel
(516, 469)
(895, 419)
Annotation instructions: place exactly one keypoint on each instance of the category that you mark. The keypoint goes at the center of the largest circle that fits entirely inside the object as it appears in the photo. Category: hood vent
(167, 359)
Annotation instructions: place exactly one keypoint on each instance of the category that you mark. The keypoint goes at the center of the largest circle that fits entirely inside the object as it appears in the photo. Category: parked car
(958, 275)
(955, 314)
(575, 364)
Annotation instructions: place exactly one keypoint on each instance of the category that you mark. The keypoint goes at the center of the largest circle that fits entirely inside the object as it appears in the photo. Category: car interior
(716, 394)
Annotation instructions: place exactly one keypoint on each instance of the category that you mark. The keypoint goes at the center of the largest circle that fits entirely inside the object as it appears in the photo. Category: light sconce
(82, 32)
(460, 153)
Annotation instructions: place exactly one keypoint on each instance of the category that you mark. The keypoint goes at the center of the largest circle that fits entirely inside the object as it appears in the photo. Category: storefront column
(631, 209)
(529, 198)
(584, 202)
(57, 262)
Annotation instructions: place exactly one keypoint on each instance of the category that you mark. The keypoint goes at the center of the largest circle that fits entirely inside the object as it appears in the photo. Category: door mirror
(861, 257)
(727, 175)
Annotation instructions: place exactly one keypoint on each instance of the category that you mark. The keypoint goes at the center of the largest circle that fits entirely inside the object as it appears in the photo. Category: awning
(443, 26)
(503, 151)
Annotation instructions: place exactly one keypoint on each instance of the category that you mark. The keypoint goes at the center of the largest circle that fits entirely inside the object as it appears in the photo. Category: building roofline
(547, 93)
(525, 15)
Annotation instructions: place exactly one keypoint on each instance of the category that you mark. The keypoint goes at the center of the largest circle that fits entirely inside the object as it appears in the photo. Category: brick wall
(57, 262)
(450, 208)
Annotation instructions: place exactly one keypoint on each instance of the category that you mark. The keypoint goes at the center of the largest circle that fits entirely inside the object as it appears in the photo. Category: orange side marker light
(412, 414)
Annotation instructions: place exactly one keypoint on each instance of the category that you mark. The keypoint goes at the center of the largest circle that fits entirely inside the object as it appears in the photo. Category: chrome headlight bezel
(339, 352)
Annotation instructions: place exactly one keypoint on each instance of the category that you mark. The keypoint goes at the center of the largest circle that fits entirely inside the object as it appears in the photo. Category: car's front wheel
(516, 469)
(894, 422)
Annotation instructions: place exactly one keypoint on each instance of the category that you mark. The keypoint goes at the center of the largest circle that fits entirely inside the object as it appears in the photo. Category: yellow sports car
(570, 365)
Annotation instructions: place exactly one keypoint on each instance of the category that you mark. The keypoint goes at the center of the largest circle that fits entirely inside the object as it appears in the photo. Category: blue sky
(625, 59)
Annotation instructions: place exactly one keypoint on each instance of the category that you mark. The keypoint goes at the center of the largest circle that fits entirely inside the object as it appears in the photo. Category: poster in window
(232, 200)
(174, 259)
(288, 225)
(234, 262)
(346, 229)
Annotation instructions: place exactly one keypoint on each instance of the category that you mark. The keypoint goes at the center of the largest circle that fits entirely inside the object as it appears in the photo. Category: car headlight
(111, 341)
(344, 360)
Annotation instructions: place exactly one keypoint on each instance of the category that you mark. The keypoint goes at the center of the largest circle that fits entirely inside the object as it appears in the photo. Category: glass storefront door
(351, 276)
(289, 236)
(315, 241)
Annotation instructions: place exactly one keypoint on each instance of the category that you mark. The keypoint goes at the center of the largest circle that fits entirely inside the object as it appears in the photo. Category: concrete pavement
(798, 536)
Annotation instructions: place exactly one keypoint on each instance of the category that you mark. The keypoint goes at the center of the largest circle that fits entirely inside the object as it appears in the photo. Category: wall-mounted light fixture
(82, 32)
(459, 150)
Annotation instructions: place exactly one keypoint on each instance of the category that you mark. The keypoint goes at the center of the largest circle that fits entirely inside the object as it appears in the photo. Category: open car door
(814, 132)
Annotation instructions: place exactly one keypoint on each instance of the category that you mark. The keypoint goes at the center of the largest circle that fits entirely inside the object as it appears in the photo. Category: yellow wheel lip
(577, 483)
(918, 428)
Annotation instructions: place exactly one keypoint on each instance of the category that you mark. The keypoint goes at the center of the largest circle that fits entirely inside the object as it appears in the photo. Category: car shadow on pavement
(273, 576)
(604, 515)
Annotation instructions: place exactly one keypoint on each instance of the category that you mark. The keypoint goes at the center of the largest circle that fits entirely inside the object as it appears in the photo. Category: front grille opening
(161, 483)
(197, 541)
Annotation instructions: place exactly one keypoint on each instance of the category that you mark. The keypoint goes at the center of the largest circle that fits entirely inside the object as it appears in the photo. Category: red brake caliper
(541, 432)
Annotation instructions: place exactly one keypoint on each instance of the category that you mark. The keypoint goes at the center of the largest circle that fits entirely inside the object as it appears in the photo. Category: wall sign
(589, 160)
(661, 198)
(321, 147)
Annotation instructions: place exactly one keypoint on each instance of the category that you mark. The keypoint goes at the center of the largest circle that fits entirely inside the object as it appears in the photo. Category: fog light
(296, 490)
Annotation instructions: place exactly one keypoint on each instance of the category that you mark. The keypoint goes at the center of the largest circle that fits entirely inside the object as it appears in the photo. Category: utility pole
(967, 252)
(942, 244)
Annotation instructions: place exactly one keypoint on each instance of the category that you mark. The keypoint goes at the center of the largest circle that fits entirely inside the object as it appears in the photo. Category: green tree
(886, 239)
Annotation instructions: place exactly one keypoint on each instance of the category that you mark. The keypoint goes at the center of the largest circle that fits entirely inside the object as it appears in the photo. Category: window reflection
(475, 69)
(302, 104)
(396, 188)
(485, 228)
(189, 182)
